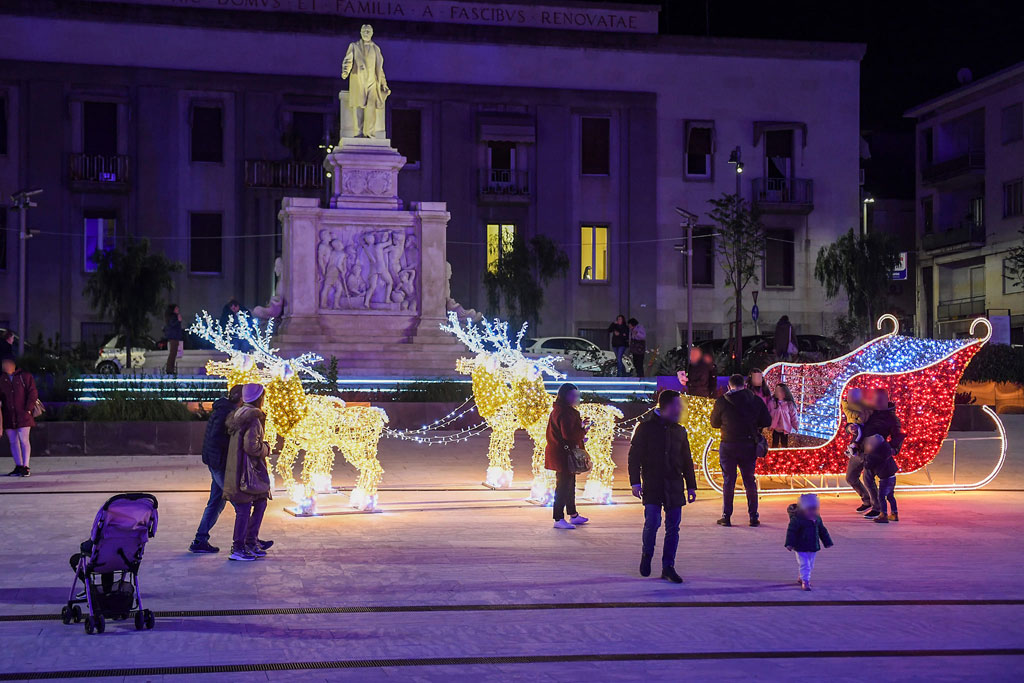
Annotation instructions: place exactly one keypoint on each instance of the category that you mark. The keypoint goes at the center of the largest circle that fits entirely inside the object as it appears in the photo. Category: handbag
(578, 459)
(38, 409)
(252, 479)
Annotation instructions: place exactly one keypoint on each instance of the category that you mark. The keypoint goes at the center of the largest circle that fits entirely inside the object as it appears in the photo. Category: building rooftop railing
(955, 167)
(291, 175)
(964, 235)
(784, 195)
(99, 171)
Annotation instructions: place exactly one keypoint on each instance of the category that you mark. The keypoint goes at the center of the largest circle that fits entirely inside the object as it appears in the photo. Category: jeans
(21, 449)
(780, 439)
(638, 363)
(248, 518)
(887, 494)
(862, 482)
(620, 351)
(214, 506)
(652, 520)
(565, 495)
(741, 455)
(806, 563)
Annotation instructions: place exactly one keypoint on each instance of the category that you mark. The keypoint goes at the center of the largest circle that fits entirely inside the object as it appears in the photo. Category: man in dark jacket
(885, 423)
(659, 465)
(699, 377)
(740, 415)
(215, 452)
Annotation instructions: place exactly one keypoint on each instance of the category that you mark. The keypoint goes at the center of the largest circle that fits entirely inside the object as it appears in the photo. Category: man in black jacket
(699, 376)
(885, 423)
(741, 416)
(659, 465)
(215, 453)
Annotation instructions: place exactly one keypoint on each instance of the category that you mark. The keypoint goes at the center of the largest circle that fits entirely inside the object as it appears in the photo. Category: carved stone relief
(371, 182)
(362, 267)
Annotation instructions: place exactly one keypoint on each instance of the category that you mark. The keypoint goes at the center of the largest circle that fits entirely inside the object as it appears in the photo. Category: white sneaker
(562, 524)
(578, 519)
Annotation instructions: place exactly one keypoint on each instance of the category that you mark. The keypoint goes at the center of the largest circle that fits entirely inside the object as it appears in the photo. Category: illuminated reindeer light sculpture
(306, 423)
(509, 392)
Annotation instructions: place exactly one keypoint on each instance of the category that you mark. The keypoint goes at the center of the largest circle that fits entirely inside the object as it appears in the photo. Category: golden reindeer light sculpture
(308, 424)
(509, 392)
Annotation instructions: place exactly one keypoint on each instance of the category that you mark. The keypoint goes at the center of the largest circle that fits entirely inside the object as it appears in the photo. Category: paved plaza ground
(457, 582)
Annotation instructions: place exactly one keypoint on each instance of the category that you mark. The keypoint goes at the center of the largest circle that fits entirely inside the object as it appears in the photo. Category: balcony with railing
(961, 309)
(784, 195)
(285, 175)
(963, 235)
(956, 169)
(99, 172)
(503, 185)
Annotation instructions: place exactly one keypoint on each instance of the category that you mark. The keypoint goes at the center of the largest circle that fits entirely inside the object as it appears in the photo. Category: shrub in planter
(996, 363)
(120, 409)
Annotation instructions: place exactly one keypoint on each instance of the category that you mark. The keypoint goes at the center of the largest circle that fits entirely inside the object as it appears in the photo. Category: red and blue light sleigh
(921, 377)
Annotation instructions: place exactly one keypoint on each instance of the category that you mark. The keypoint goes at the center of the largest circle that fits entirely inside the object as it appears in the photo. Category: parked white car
(584, 354)
(147, 355)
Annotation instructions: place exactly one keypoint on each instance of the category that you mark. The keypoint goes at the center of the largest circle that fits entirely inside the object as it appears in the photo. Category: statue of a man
(367, 86)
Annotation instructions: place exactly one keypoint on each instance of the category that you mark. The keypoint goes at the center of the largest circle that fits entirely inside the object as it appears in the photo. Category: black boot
(669, 574)
(645, 565)
(863, 507)
(754, 521)
(724, 521)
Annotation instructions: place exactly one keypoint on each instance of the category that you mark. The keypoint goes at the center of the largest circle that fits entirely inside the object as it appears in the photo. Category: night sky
(914, 50)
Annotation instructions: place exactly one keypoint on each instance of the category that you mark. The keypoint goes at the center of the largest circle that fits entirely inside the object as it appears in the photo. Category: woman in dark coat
(174, 335)
(247, 448)
(566, 430)
(18, 397)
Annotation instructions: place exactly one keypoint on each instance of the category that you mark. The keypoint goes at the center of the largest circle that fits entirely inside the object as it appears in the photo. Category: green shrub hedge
(996, 363)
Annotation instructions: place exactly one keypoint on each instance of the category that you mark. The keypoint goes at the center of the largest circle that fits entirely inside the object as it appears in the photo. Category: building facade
(188, 124)
(970, 204)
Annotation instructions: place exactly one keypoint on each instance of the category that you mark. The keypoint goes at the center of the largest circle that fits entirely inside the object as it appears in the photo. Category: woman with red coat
(18, 396)
(566, 431)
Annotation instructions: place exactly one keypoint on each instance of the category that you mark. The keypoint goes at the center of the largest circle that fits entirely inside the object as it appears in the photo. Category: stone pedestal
(365, 280)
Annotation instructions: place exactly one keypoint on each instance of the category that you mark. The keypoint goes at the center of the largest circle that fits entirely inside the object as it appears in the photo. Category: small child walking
(805, 535)
(785, 421)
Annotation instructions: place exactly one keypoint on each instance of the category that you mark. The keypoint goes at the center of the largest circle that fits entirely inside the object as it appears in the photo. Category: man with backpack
(740, 415)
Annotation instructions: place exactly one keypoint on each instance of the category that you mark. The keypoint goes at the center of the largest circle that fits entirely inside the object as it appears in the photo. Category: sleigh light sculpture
(307, 424)
(920, 376)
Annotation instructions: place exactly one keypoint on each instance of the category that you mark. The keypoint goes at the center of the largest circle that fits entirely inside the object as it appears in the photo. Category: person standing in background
(18, 400)
(741, 416)
(175, 336)
(7, 345)
(619, 332)
(785, 340)
(637, 345)
(757, 385)
(565, 432)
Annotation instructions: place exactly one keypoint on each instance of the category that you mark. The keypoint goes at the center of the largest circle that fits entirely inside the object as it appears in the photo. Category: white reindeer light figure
(317, 426)
(509, 392)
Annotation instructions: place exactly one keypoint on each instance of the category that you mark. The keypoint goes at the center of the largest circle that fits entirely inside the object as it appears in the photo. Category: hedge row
(997, 363)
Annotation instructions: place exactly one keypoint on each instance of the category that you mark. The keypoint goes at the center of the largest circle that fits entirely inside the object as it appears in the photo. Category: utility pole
(690, 219)
(23, 202)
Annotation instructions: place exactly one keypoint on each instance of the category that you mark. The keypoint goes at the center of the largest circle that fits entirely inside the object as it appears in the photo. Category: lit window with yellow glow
(594, 252)
(499, 242)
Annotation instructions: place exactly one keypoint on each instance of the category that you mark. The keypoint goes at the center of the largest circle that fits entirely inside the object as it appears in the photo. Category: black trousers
(732, 456)
(779, 439)
(565, 495)
(638, 363)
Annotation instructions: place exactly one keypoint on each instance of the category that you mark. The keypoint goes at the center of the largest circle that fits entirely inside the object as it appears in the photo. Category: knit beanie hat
(251, 392)
(808, 501)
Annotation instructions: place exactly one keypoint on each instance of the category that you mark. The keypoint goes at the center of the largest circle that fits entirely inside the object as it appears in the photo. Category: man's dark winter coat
(660, 461)
(740, 415)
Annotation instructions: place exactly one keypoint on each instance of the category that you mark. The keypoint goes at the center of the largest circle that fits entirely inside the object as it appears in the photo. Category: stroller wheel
(89, 627)
(76, 613)
(65, 614)
(140, 621)
(101, 623)
(149, 619)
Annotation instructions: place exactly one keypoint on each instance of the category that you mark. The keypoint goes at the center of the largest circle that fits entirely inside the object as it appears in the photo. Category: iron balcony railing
(964, 235)
(786, 191)
(958, 309)
(300, 175)
(499, 182)
(951, 168)
(99, 168)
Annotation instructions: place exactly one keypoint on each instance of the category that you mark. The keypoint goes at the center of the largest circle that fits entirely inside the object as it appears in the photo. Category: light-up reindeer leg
(542, 490)
(368, 433)
(499, 451)
(599, 445)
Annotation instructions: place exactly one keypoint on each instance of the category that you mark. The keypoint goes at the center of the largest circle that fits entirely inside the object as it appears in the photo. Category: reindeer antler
(490, 338)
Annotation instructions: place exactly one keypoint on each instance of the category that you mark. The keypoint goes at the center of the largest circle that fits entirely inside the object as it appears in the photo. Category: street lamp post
(690, 219)
(868, 199)
(736, 158)
(23, 202)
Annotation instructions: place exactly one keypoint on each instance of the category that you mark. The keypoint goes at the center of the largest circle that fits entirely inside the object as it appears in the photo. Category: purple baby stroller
(114, 552)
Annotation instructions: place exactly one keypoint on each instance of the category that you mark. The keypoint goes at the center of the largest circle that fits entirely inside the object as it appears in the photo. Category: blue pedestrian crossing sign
(754, 312)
